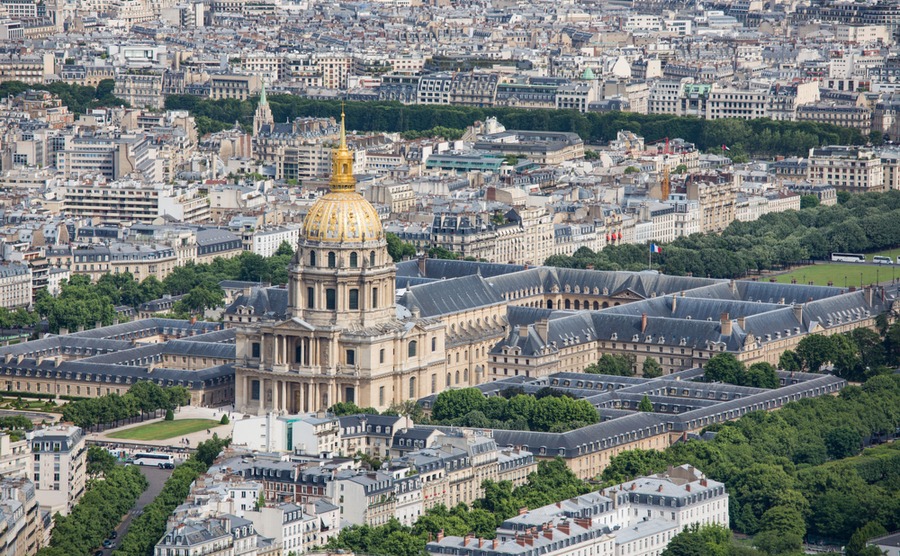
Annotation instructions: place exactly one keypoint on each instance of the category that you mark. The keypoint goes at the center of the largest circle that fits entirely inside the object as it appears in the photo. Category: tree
(724, 367)
(170, 415)
(645, 405)
(761, 375)
(99, 461)
(631, 170)
(842, 442)
(260, 502)
(681, 169)
(612, 364)
(285, 249)
(651, 368)
(870, 530)
(453, 403)
(399, 249)
(224, 420)
(349, 408)
(809, 201)
(814, 351)
(790, 361)
(696, 540)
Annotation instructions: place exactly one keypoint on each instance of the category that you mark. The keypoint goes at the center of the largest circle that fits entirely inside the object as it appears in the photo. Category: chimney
(98, 324)
(659, 489)
(421, 261)
(548, 533)
(687, 487)
(63, 331)
(643, 322)
(193, 320)
(798, 312)
(704, 482)
(633, 486)
(564, 527)
(674, 303)
(520, 540)
(8, 357)
(495, 543)
(870, 296)
(523, 331)
(38, 360)
(726, 324)
(583, 522)
(523, 510)
(529, 539)
(440, 536)
(542, 327)
(467, 538)
(741, 322)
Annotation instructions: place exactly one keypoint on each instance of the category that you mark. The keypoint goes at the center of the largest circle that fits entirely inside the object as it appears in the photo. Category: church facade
(341, 339)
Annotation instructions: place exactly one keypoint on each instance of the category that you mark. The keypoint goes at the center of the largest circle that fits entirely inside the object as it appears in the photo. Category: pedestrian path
(187, 441)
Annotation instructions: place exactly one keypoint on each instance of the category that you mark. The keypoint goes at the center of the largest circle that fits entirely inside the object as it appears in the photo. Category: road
(157, 478)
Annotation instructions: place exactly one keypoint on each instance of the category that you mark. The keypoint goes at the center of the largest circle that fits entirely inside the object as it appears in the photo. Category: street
(157, 478)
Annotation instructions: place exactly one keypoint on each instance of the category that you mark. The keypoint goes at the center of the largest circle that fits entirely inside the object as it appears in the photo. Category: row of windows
(332, 259)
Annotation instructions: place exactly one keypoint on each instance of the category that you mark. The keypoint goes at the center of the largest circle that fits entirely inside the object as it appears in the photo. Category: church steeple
(263, 115)
(342, 179)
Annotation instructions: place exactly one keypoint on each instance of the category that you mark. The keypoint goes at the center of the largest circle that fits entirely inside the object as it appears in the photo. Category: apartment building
(23, 532)
(141, 89)
(240, 87)
(15, 457)
(15, 285)
(60, 456)
(541, 147)
(32, 70)
(141, 260)
(846, 168)
(716, 196)
(132, 202)
(859, 117)
(266, 242)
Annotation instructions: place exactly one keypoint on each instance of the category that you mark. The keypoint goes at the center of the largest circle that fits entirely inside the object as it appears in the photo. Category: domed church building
(342, 340)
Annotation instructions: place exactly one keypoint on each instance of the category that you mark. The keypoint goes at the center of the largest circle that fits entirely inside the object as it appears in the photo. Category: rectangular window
(374, 298)
(310, 298)
(381, 355)
(354, 300)
(330, 302)
(254, 348)
(254, 390)
(351, 357)
(381, 395)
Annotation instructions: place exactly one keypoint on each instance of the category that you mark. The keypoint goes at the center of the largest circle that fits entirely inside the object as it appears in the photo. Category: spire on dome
(342, 179)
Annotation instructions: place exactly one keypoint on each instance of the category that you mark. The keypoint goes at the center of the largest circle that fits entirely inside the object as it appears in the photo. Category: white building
(15, 285)
(60, 458)
(266, 242)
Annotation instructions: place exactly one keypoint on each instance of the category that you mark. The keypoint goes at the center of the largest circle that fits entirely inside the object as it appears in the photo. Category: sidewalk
(176, 442)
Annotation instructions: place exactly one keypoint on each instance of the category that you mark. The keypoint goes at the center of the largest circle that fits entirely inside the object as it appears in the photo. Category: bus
(881, 259)
(163, 461)
(848, 257)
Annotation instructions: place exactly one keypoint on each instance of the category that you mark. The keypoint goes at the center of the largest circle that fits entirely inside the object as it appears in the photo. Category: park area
(162, 430)
(844, 275)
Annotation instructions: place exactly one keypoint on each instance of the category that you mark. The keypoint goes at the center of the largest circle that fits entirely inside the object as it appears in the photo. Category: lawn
(162, 430)
(840, 274)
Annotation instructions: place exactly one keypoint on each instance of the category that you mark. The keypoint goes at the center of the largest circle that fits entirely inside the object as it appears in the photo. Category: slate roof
(450, 296)
(271, 302)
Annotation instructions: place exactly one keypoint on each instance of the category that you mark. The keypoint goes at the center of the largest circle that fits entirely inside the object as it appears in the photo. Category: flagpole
(650, 257)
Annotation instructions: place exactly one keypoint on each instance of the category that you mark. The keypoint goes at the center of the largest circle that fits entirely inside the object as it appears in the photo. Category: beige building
(240, 87)
(853, 169)
(342, 340)
(15, 458)
(60, 461)
(716, 197)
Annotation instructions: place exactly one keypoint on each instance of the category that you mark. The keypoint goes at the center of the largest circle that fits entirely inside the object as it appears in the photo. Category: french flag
(654, 248)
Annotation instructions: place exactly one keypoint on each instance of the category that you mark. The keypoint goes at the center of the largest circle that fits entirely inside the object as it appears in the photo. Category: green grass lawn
(162, 430)
(841, 274)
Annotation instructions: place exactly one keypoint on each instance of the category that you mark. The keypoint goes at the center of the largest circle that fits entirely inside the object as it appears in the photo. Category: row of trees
(146, 529)
(725, 367)
(551, 482)
(795, 472)
(859, 224)
(96, 514)
(142, 397)
(624, 365)
(468, 407)
(756, 137)
(78, 98)
(855, 356)
(82, 304)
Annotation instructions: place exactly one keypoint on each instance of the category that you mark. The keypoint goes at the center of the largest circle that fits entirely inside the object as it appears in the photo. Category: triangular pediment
(294, 324)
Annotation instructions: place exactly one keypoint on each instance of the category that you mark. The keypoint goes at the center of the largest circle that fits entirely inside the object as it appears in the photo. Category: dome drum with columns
(343, 341)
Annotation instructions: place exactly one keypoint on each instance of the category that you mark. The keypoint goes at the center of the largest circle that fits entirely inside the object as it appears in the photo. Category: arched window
(412, 348)
(457, 377)
(577, 304)
(372, 258)
(354, 261)
(312, 258)
(448, 380)
(596, 305)
(412, 388)
(332, 259)
(549, 303)
(466, 375)
(568, 304)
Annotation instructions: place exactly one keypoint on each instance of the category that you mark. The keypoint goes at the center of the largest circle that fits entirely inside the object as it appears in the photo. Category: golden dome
(342, 215)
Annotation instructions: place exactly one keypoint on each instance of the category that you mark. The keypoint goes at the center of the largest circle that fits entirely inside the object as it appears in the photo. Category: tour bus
(166, 461)
(881, 259)
(848, 257)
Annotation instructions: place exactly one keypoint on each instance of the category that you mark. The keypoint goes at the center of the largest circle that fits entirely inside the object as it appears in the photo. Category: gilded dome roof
(343, 215)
